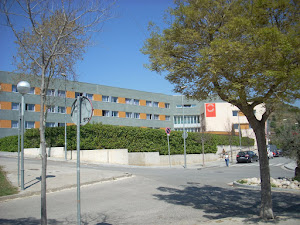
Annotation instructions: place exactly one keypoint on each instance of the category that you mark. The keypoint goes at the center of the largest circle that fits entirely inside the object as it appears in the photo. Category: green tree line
(99, 136)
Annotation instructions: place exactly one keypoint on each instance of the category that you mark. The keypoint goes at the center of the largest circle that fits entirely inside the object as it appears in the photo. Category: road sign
(168, 130)
(185, 135)
(86, 111)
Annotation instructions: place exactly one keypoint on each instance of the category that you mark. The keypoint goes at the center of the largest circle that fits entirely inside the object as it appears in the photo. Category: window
(14, 88)
(114, 113)
(148, 103)
(136, 115)
(114, 99)
(156, 117)
(128, 114)
(61, 124)
(236, 126)
(234, 113)
(128, 100)
(167, 105)
(30, 107)
(61, 93)
(90, 96)
(50, 124)
(136, 102)
(105, 98)
(31, 91)
(78, 94)
(14, 124)
(51, 92)
(178, 106)
(168, 118)
(29, 124)
(51, 109)
(105, 113)
(61, 109)
(155, 104)
(149, 117)
(15, 106)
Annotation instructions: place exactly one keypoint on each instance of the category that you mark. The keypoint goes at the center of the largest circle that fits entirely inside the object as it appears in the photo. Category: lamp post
(23, 88)
(19, 133)
(63, 74)
(240, 130)
(184, 134)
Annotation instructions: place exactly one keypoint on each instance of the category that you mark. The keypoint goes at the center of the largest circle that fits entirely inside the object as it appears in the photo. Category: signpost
(81, 113)
(168, 131)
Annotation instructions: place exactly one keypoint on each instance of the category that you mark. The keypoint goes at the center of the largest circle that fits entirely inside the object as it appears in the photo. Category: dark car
(246, 156)
(276, 153)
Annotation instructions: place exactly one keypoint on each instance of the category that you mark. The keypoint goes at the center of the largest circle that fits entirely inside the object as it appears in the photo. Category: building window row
(105, 98)
(186, 106)
(187, 119)
(188, 129)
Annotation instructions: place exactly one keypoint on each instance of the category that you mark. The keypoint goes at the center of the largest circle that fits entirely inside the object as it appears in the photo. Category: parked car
(270, 154)
(275, 153)
(246, 156)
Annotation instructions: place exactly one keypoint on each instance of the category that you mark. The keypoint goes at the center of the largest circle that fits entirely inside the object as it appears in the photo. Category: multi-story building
(116, 106)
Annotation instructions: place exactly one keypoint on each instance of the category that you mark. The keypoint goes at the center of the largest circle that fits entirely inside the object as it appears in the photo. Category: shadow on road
(220, 203)
(28, 221)
(36, 181)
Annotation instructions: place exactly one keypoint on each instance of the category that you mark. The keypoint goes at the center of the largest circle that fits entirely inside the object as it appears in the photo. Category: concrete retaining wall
(113, 156)
(121, 156)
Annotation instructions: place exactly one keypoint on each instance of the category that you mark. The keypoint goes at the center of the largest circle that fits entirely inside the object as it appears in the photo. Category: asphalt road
(160, 196)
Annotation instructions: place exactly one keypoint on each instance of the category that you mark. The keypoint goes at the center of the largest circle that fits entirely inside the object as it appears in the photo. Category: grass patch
(242, 181)
(297, 178)
(6, 188)
(273, 185)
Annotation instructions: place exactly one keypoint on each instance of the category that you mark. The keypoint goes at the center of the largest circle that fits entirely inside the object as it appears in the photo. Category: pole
(240, 132)
(65, 118)
(184, 147)
(169, 150)
(78, 158)
(22, 143)
(202, 150)
(19, 131)
(202, 140)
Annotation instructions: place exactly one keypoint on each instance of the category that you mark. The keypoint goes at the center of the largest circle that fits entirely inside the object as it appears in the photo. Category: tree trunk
(266, 211)
(44, 156)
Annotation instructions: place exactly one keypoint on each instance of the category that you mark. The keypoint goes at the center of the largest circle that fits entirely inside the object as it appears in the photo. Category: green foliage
(99, 136)
(5, 186)
(286, 136)
(235, 49)
(9, 144)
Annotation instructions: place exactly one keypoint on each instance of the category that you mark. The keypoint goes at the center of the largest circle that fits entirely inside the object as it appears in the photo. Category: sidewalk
(58, 178)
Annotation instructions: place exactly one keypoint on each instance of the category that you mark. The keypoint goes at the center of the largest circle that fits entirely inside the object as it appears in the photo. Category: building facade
(116, 106)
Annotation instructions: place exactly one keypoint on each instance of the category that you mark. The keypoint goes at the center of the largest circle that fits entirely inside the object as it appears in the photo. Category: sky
(115, 58)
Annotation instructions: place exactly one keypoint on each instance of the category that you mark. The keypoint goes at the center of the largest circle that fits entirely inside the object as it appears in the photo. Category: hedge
(99, 136)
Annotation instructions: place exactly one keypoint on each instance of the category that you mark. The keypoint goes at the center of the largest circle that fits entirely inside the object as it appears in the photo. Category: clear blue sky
(115, 59)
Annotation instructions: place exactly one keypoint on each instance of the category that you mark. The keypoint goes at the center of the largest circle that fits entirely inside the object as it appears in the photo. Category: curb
(33, 193)
(236, 184)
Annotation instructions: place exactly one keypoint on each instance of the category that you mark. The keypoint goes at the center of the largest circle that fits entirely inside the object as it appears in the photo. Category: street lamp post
(23, 88)
(63, 74)
(184, 134)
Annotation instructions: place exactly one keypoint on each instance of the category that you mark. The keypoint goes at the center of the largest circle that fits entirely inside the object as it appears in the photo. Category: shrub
(135, 139)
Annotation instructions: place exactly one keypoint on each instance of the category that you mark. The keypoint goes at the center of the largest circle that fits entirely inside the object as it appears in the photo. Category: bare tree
(52, 36)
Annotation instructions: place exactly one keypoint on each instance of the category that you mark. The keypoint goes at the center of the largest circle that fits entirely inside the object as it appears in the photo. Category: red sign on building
(210, 109)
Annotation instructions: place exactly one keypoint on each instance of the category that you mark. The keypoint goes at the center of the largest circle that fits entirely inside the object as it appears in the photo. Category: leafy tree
(288, 139)
(51, 36)
(246, 52)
